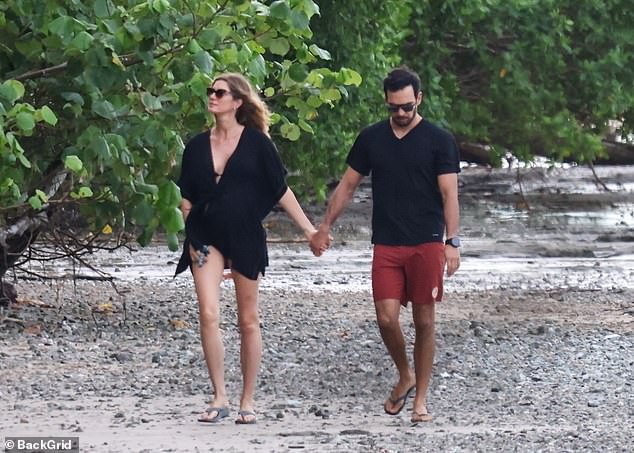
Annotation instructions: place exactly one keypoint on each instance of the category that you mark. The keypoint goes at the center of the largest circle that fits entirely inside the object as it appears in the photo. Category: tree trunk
(21, 231)
(617, 153)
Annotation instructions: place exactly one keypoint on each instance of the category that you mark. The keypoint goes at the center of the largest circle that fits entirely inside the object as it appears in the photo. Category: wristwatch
(454, 242)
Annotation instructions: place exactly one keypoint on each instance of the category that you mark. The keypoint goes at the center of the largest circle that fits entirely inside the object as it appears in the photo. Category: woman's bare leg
(250, 339)
(207, 280)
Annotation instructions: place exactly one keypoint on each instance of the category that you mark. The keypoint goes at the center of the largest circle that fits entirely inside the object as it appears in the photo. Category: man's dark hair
(400, 78)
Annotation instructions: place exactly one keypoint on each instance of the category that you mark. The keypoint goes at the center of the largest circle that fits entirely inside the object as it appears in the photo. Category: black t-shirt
(407, 204)
(228, 214)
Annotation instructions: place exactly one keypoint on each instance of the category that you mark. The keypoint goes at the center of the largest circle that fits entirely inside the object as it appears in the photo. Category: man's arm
(448, 185)
(338, 201)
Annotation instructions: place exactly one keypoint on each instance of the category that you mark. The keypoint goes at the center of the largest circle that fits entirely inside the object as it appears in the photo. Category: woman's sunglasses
(219, 92)
(393, 108)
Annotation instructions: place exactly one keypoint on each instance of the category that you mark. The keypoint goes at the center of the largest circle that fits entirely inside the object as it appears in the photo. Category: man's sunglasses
(219, 92)
(393, 108)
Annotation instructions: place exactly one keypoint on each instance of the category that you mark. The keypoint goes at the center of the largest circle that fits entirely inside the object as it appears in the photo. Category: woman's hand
(199, 256)
(320, 241)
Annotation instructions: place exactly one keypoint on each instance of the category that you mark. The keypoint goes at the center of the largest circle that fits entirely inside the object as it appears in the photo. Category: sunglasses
(393, 108)
(219, 92)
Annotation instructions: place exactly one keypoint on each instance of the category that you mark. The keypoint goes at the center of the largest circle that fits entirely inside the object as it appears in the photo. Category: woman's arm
(186, 206)
(290, 204)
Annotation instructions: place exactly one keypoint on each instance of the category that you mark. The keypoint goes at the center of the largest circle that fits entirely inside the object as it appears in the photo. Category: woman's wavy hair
(253, 112)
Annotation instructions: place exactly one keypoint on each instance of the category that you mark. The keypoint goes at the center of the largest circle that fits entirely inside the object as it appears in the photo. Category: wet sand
(535, 340)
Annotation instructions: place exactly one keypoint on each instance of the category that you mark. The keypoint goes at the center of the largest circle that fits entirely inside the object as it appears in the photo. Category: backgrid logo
(41, 445)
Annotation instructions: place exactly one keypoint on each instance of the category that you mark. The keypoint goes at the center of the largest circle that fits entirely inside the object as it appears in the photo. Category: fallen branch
(14, 320)
(35, 276)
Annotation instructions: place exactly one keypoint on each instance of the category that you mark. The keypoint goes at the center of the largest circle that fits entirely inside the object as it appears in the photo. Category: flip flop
(418, 417)
(402, 398)
(243, 421)
(221, 412)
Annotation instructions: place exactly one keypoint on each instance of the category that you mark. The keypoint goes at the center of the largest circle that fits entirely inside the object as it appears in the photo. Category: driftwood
(617, 153)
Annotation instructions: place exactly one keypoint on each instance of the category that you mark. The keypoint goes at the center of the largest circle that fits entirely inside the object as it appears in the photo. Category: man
(414, 166)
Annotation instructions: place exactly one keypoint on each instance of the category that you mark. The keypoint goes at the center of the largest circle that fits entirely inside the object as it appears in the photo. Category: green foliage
(531, 77)
(365, 36)
(108, 90)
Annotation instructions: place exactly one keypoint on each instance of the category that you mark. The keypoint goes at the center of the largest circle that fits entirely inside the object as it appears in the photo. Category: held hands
(320, 240)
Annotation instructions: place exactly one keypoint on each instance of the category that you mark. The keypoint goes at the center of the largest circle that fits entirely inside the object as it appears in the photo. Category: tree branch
(37, 73)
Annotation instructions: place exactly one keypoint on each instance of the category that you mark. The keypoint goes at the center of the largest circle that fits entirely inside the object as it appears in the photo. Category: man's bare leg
(424, 347)
(387, 315)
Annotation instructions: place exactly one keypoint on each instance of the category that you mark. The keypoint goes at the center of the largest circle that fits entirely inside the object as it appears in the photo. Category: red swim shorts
(408, 272)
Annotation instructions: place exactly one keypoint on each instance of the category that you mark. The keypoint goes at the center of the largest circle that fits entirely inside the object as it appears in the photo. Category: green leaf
(279, 46)
(23, 160)
(298, 72)
(257, 67)
(62, 26)
(193, 47)
(169, 195)
(290, 131)
(29, 48)
(208, 39)
(269, 91)
(350, 77)
(42, 195)
(7, 92)
(103, 8)
(305, 126)
(151, 103)
(143, 213)
(172, 220)
(17, 86)
(104, 109)
(330, 94)
(172, 242)
(25, 121)
(82, 41)
(48, 115)
(142, 187)
(204, 62)
(73, 163)
(85, 192)
(310, 7)
(280, 10)
(35, 202)
(314, 101)
(101, 148)
(300, 20)
(319, 52)
(73, 97)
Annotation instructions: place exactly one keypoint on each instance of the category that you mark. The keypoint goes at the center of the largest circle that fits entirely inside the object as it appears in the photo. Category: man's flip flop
(418, 417)
(398, 400)
(221, 412)
(243, 420)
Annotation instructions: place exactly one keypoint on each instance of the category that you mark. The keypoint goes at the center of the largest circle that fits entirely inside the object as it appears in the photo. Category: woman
(231, 178)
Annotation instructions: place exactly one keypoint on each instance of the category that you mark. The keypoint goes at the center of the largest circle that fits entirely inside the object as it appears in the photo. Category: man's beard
(404, 121)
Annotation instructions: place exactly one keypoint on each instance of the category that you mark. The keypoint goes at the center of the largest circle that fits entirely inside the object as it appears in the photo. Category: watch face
(454, 242)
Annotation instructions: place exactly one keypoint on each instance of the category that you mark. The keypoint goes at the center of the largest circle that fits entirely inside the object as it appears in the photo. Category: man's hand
(452, 258)
(320, 240)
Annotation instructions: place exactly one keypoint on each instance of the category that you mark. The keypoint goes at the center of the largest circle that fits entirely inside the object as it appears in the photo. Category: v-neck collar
(400, 139)
(211, 158)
